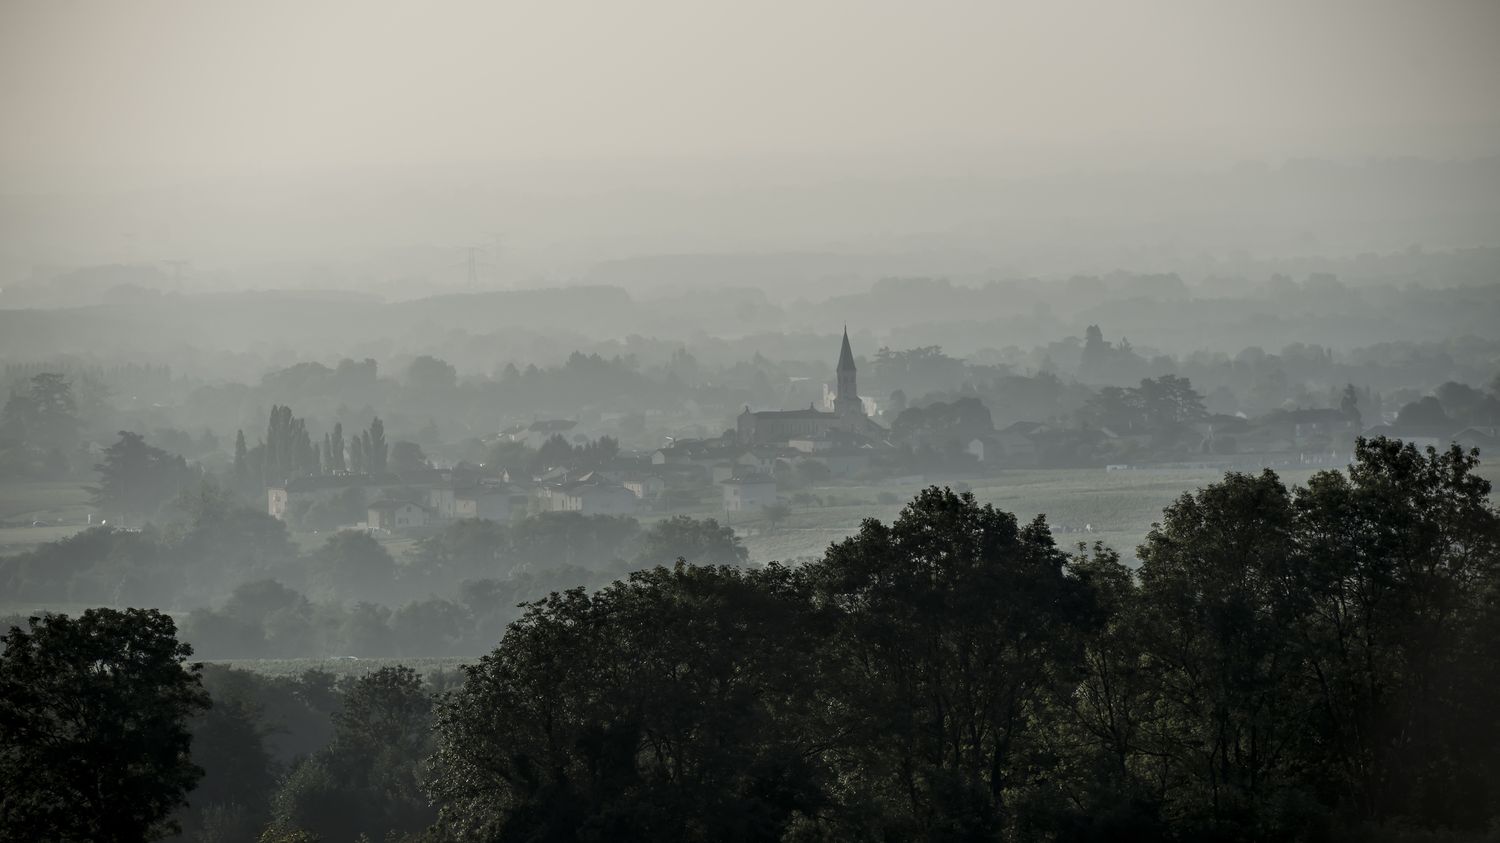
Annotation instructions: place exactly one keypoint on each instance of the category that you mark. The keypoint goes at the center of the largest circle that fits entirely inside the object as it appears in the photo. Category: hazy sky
(147, 92)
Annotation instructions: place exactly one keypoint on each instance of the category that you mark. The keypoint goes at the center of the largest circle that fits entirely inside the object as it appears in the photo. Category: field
(63, 505)
(1083, 505)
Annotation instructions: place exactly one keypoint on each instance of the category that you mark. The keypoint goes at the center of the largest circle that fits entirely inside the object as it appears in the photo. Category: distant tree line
(320, 600)
(288, 452)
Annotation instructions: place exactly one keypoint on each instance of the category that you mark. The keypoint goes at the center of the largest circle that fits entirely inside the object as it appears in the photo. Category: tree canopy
(94, 727)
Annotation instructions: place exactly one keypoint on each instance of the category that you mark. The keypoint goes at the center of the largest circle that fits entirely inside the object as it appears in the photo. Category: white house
(753, 492)
(590, 498)
(397, 515)
(644, 486)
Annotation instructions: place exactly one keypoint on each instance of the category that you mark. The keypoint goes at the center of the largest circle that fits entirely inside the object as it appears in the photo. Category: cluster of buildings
(400, 502)
(742, 466)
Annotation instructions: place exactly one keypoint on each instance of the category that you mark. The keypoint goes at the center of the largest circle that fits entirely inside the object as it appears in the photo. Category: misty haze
(710, 421)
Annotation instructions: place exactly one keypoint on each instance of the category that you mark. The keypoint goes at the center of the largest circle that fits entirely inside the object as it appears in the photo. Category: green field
(1118, 506)
(1115, 507)
(64, 505)
(1085, 505)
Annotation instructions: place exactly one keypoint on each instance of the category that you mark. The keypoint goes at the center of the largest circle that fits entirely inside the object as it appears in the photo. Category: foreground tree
(675, 705)
(94, 733)
(364, 783)
(953, 624)
(1219, 593)
(1401, 562)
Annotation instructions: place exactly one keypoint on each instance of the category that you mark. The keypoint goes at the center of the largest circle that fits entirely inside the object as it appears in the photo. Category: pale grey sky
(103, 94)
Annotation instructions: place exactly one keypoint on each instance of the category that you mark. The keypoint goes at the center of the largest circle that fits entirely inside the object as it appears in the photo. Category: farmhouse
(397, 515)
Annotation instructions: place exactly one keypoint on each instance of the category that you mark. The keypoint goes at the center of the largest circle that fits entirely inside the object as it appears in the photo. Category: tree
(407, 457)
(94, 727)
(357, 456)
(40, 425)
(950, 624)
(375, 448)
(1112, 407)
(1169, 401)
(241, 461)
(336, 447)
(1218, 589)
(1424, 414)
(675, 705)
(467, 549)
(54, 412)
(364, 784)
(776, 513)
(1349, 404)
(135, 479)
(350, 563)
(555, 452)
(705, 542)
(897, 403)
(232, 800)
(430, 373)
(1400, 567)
(1092, 364)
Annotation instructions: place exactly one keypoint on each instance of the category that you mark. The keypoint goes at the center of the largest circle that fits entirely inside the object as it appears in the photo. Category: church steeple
(846, 402)
(846, 356)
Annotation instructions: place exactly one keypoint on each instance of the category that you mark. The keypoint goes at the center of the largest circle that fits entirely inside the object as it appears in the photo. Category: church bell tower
(846, 402)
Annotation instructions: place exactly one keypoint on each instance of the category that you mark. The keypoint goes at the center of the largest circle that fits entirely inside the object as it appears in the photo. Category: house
(1015, 445)
(644, 486)
(1313, 428)
(392, 516)
(747, 493)
(301, 491)
(844, 462)
(489, 502)
(590, 497)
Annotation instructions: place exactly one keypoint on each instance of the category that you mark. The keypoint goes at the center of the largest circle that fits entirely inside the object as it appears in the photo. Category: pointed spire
(846, 355)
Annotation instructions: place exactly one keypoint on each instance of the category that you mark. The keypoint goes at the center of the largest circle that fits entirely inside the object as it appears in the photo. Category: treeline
(1312, 664)
(208, 544)
(267, 620)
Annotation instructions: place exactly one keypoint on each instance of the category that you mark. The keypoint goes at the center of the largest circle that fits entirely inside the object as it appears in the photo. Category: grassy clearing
(63, 505)
(1118, 506)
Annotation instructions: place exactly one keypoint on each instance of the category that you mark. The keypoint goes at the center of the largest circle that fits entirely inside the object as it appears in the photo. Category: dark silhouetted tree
(94, 727)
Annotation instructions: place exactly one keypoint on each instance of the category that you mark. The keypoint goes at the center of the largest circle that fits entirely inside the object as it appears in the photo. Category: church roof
(846, 356)
(791, 414)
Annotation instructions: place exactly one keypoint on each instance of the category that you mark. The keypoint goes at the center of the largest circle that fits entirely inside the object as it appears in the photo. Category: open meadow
(1082, 505)
(57, 508)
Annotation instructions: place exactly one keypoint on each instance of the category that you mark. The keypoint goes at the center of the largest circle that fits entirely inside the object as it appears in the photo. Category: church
(780, 426)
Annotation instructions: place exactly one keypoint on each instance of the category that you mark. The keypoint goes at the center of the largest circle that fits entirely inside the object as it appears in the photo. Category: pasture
(63, 505)
(1082, 505)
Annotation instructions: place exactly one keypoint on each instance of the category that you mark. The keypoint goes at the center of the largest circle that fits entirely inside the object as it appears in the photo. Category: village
(772, 456)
